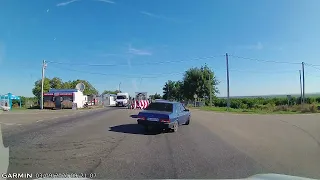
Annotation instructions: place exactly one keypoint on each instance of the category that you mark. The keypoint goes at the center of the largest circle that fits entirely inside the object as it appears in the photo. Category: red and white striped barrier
(142, 104)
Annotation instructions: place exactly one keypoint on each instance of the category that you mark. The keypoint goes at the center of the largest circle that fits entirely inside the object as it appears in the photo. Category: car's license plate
(153, 119)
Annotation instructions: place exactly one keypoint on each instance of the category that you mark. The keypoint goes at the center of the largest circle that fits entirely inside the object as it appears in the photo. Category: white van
(122, 99)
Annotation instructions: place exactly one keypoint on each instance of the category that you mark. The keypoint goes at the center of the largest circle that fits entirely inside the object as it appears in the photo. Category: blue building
(6, 100)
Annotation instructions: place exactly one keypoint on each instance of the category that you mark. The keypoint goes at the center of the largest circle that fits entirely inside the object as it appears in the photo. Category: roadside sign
(195, 96)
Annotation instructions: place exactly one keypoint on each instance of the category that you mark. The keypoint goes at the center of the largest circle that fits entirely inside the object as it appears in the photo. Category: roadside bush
(235, 103)
(296, 108)
(220, 102)
(281, 108)
(268, 107)
(243, 106)
(269, 104)
(305, 109)
(313, 108)
(310, 100)
(249, 102)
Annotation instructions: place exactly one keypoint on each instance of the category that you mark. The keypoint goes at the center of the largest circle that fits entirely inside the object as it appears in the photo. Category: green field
(276, 96)
(251, 111)
(266, 105)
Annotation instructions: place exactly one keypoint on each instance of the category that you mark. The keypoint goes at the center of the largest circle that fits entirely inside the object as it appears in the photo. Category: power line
(262, 72)
(125, 75)
(269, 61)
(313, 66)
(138, 64)
(146, 76)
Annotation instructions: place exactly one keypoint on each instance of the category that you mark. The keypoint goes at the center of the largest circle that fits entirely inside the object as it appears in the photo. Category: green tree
(169, 90)
(56, 83)
(37, 87)
(179, 90)
(110, 92)
(155, 96)
(89, 89)
(200, 81)
(67, 85)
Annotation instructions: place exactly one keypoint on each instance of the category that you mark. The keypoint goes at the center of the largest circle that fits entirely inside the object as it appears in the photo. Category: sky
(141, 44)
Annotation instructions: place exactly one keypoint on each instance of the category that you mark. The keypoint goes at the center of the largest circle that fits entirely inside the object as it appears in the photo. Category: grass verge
(275, 110)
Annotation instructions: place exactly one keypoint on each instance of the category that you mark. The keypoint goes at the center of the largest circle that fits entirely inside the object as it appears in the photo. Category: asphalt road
(107, 143)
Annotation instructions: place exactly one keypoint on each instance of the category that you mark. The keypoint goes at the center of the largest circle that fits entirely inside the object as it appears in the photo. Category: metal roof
(62, 90)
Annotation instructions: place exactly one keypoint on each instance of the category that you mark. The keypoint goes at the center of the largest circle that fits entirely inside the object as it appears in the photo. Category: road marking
(39, 120)
(8, 124)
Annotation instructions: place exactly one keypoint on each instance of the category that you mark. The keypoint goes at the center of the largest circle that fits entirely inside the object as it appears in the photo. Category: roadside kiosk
(6, 100)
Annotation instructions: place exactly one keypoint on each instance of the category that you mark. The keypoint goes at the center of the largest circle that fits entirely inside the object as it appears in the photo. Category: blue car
(164, 115)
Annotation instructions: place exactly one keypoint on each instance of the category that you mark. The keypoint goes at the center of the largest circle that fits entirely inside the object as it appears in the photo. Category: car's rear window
(160, 107)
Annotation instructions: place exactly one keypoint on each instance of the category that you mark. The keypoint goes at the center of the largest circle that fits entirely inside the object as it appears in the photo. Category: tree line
(201, 81)
(258, 102)
(57, 83)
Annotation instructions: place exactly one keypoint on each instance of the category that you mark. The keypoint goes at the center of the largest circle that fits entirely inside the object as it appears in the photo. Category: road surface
(107, 143)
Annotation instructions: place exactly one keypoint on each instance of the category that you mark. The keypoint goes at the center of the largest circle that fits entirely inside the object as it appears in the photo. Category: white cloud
(66, 3)
(106, 1)
(139, 52)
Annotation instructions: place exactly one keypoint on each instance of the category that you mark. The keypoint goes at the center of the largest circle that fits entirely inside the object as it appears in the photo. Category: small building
(64, 98)
(93, 100)
(109, 99)
(6, 100)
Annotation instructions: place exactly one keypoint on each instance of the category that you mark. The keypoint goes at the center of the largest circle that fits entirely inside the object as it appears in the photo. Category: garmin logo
(16, 175)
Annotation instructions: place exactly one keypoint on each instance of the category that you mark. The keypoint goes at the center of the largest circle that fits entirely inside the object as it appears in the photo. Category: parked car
(164, 115)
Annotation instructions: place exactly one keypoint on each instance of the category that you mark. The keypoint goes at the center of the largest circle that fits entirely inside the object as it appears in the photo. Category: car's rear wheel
(188, 122)
(175, 126)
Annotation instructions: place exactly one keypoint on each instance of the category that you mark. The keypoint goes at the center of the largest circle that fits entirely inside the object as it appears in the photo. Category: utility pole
(228, 85)
(304, 85)
(44, 65)
(168, 93)
(210, 89)
(300, 87)
(119, 86)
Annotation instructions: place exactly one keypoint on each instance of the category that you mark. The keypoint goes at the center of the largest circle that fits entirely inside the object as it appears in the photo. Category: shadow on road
(133, 129)
(118, 107)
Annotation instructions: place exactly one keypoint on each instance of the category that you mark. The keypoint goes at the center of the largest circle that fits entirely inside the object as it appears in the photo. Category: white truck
(122, 99)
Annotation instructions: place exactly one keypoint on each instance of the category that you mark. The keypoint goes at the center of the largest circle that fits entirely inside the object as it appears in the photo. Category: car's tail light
(141, 117)
(165, 120)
